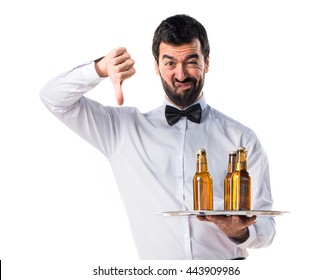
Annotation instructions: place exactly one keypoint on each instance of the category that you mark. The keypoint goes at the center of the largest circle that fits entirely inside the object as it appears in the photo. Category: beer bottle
(241, 188)
(202, 183)
(228, 180)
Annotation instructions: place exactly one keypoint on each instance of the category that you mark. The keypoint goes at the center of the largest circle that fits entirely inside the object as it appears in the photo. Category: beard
(188, 96)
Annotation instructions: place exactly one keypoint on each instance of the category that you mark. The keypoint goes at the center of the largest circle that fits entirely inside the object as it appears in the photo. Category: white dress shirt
(154, 163)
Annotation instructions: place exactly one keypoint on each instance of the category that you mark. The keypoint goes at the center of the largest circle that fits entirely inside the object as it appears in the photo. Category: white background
(60, 212)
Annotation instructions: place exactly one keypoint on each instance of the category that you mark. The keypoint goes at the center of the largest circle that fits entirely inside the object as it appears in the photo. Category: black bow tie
(173, 115)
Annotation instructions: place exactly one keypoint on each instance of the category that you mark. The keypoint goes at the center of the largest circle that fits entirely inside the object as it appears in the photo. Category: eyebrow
(190, 56)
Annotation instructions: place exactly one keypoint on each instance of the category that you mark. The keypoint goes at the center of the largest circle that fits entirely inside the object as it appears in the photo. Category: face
(182, 70)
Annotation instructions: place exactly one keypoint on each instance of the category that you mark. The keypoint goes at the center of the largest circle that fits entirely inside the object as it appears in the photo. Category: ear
(157, 70)
(207, 65)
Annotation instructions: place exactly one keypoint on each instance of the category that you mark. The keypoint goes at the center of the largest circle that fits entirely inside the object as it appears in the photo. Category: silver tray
(266, 213)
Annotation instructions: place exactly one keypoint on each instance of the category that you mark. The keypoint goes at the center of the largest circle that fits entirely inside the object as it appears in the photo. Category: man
(153, 157)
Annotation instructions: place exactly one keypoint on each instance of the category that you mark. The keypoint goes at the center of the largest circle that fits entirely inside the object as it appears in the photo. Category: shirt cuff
(89, 73)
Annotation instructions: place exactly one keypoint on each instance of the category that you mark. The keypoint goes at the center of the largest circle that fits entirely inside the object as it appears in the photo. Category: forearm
(63, 96)
(62, 92)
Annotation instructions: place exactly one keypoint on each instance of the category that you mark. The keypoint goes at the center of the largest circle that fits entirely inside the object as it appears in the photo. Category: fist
(118, 66)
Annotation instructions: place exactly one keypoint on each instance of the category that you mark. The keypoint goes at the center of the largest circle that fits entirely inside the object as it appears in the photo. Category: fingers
(248, 221)
(202, 218)
(229, 221)
(118, 56)
(119, 67)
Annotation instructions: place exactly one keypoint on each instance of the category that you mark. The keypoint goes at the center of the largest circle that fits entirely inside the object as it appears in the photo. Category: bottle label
(245, 195)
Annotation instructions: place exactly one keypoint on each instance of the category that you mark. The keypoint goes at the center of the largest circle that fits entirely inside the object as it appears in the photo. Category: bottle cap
(201, 152)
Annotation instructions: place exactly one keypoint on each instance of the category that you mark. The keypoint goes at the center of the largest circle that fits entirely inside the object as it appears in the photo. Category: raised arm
(96, 123)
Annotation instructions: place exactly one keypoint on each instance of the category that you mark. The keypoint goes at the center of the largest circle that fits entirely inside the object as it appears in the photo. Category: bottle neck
(232, 163)
(241, 166)
(202, 164)
(241, 162)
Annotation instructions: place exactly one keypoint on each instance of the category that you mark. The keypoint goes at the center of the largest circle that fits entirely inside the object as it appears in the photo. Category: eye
(169, 63)
(192, 62)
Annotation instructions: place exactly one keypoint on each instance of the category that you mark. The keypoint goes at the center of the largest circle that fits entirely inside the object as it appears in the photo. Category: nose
(181, 73)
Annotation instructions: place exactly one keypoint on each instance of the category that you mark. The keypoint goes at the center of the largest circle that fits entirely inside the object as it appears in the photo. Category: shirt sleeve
(65, 90)
(94, 122)
(262, 233)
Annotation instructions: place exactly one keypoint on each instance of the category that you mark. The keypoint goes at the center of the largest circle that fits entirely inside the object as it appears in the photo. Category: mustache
(186, 80)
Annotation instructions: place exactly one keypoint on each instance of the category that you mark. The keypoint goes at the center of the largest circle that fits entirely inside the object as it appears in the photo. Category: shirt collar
(201, 101)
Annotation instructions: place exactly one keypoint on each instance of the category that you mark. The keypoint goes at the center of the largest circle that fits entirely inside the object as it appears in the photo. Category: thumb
(119, 93)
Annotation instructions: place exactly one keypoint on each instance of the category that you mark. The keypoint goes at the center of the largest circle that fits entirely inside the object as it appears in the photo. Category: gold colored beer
(202, 183)
(228, 180)
(241, 188)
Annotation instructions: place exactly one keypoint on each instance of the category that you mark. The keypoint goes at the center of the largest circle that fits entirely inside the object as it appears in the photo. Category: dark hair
(178, 30)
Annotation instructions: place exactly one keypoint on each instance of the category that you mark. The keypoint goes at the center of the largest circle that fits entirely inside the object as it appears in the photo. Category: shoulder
(228, 124)
(134, 111)
(133, 114)
(224, 119)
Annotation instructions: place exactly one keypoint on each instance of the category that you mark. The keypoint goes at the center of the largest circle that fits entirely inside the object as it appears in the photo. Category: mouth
(183, 86)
